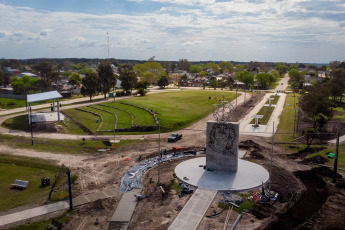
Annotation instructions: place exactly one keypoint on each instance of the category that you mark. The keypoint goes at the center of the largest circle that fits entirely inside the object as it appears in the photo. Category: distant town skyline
(291, 31)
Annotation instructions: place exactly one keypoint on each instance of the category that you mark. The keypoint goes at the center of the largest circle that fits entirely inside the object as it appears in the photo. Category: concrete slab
(125, 208)
(241, 153)
(192, 213)
(80, 201)
(248, 176)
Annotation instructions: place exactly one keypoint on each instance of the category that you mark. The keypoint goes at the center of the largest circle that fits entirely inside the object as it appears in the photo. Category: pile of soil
(47, 127)
(305, 152)
(315, 160)
(326, 172)
(255, 151)
(315, 196)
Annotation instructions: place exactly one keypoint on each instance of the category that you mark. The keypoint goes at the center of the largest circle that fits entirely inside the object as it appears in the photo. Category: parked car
(174, 137)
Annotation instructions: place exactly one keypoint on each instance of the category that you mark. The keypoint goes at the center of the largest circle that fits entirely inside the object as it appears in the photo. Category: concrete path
(62, 205)
(195, 209)
(334, 141)
(124, 211)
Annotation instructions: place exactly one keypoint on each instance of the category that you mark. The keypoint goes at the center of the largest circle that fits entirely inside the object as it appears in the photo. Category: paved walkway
(62, 205)
(192, 213)
(124, 211)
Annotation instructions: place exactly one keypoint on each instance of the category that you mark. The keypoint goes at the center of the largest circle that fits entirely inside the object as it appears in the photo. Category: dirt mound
(255, 150)
(315, 196)
(263, 210)
(315, 160)
(248, 144)
(326, 172)
(305, 152)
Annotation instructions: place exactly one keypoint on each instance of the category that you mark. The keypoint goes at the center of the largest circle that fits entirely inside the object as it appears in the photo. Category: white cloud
(230, 30)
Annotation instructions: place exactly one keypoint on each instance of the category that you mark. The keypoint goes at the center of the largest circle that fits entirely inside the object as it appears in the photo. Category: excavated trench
(315, 196)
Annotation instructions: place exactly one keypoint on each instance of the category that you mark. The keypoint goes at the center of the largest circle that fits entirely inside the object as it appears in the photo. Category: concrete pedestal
(222, 146)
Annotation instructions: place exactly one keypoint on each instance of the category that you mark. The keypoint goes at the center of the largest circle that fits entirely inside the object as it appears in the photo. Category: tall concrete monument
(222, 139)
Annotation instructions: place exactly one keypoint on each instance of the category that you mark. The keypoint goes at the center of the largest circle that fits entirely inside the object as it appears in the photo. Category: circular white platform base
(248, 176)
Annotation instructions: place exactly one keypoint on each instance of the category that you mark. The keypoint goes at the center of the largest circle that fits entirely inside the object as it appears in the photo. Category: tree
(74, 79)
(59, 180)
(310, 134)
(142, 86)
(23, 85)
(239, 68)
(226, 67)
(45, 70)
(296, 78)
(281, 68)
(90, 84)
(67, 73)
(214, 83)
(183, 64)
(2, 78)
(106, 77)
(195, 69)
(320, 120)
(214, 67)
(247, 78)
(334, 64)
(203, 73)
(315, 100)
(263, 80)
(337, 84)
(127, 77)
(163, 81)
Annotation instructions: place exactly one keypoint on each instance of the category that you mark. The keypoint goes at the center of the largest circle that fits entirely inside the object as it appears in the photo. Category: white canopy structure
(42, 97)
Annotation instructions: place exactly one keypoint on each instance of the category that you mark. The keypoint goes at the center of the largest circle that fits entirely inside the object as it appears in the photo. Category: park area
(133, 115)
(299, 182)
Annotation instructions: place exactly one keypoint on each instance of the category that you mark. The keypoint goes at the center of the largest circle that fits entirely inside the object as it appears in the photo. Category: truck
(174, 137)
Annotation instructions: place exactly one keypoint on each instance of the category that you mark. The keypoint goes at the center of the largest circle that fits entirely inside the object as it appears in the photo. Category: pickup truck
(174, 137)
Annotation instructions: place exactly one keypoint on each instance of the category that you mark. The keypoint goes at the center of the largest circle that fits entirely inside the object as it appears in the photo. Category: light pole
(32, 136)
(159, 147)
(236, 98)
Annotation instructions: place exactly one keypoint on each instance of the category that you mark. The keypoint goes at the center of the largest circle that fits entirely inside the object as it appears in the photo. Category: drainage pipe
(236, 222)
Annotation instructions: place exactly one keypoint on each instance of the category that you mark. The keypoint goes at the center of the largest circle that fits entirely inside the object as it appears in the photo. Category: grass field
(266, 111)
(29, 169)
(275, 99)
(286, 123)
(180, 109)
(141, 117)
(62, 146)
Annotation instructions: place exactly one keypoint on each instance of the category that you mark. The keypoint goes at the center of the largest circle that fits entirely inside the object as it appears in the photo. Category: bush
(142, 92)
(11, 103)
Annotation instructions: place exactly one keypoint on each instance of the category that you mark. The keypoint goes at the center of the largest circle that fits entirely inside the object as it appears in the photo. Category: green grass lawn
(63, 146)
(124, 120)
(286, 123)
(87, 119)
(274, 101)
(177, 110)
(266, 111)
(17, 103)
(29, 169)
(182, 108)
(341, 155)
(141, 117)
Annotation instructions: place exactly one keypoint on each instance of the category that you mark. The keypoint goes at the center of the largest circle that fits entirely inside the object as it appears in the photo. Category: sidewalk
(192, 213)
(62, 205)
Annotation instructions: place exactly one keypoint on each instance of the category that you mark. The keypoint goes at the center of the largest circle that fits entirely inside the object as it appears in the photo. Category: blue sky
(310, 31)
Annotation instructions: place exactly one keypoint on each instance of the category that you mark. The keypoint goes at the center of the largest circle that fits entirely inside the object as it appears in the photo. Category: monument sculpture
(222, 139)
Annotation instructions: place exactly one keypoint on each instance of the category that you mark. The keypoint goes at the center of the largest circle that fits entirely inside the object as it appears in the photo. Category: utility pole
(269, 189)
(108, 44)
(32, 135)
(336, 156)
(159, 147)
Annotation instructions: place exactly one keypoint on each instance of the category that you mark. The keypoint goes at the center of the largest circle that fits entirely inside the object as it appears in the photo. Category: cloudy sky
(310, 31)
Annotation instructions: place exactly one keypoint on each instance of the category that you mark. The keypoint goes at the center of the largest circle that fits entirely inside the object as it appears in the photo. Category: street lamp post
(32, 136)
(159, 147)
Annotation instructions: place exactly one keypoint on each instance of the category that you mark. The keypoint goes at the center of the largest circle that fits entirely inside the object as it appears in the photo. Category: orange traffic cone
(113, 146)
(97, 147)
